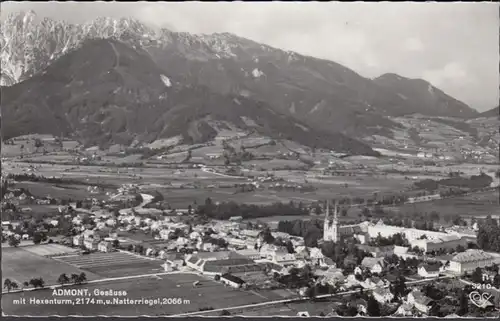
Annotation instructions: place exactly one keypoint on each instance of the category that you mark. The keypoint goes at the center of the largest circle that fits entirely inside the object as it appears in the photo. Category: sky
(454, 46)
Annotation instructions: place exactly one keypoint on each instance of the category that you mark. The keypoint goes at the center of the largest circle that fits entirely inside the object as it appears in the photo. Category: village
(368, 268)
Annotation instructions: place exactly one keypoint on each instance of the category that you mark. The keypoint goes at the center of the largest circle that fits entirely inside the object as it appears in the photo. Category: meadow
(21, 265)
(473, 205)
(208, 294)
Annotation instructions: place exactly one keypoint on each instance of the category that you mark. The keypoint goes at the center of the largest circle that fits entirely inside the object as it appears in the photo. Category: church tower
(326, 223)
(335, 229)
(331, 229)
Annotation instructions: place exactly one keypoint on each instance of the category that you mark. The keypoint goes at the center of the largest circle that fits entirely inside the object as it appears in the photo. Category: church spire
(336, 212)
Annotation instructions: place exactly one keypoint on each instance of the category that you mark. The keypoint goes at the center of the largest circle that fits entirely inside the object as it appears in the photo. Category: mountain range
(117, 81)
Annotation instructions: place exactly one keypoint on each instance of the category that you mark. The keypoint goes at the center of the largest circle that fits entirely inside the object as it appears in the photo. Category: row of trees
(40, 282)
(74, 278)
(226, 210)
(311, 230)
(9, 285)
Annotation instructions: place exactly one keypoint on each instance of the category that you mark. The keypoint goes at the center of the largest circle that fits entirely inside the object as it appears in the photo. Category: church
(332, 231)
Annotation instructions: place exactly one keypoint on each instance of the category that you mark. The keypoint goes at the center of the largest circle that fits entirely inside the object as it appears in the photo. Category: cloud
(449, 44)
(413, 44)
(451, 72)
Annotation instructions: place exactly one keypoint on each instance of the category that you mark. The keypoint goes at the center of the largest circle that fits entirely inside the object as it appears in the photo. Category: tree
(477, 276)
(463, 304)
(373, 307)
(460, 248)
(7, 284)
(217, 277)
(82, 277)
(38, 144)
(116, 244)
(74, 278)
(311, 292)
(37, 238)
(14, 241)
(63, 279)
(37, 282)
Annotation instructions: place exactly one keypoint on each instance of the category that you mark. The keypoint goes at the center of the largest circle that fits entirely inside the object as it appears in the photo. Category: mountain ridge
(494, 112)
(106, 92)
(317, 93)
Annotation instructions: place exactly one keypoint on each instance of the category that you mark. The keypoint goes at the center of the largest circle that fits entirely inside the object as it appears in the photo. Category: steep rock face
(321, 93)
(105, 92)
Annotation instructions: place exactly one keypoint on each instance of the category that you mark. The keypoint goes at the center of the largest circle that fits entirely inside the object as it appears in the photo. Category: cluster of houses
(94, 241)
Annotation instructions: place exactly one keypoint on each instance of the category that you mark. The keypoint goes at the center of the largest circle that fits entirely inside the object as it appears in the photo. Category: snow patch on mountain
(257, 73)
(166, 80)
(317, 107)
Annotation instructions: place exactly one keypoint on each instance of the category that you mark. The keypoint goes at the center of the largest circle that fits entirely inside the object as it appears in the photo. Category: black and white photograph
(256, 159)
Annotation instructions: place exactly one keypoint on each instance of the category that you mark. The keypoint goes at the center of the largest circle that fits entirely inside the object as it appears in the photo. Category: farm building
(232, 280)
(212, 263)
(175, 259)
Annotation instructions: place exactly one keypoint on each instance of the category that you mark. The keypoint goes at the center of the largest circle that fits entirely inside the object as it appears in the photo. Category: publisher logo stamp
(480, 300)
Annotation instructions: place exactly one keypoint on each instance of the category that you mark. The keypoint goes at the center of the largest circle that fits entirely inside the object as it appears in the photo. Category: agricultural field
(114, 264)
(66, 191)
(50, 250)
(21, 265)
(208, 294)
(474, 205)
(39, 211)
(25, 145)
(275, 164)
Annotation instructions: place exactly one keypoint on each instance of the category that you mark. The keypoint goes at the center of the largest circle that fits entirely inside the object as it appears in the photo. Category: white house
(105, 246)
(78, 240)
(284, 258)
(358, 270)
(420, 301)
(372, 283)
(382, 295)
(91, 244)
(428, 271)
(316, 256)
(175, 260)
(375, 265)
(250, 253)
(250, 233)
(194, 235)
